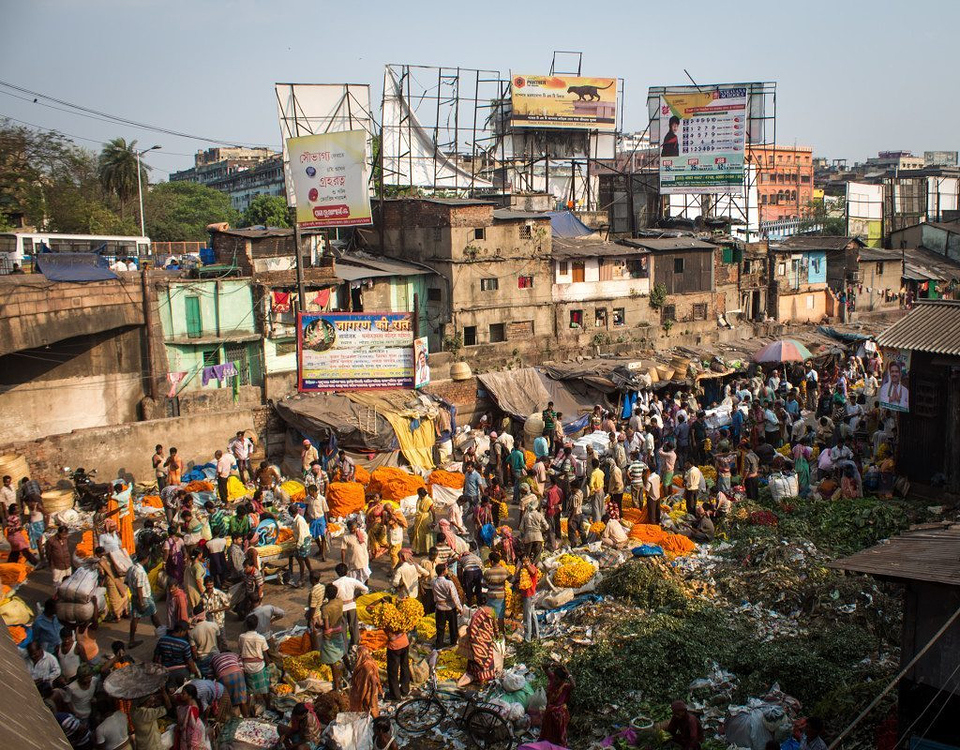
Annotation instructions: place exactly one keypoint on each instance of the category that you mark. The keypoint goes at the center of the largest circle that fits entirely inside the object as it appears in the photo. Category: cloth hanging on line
(322, 298)
(174, 378)
(218, 372)
(281, 302)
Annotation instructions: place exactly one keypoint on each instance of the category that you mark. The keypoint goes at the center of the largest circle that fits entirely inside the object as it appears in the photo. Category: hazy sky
(853, 77)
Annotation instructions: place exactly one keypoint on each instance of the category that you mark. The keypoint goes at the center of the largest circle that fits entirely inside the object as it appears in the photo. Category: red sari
(481, 630)
(556, 716)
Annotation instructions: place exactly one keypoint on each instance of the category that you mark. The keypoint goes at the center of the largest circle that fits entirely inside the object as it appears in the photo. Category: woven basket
(665, 372)
(14, 465)
(55, 501)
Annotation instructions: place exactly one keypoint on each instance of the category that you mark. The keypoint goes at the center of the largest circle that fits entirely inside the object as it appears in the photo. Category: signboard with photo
(894, 391)
(563, 102)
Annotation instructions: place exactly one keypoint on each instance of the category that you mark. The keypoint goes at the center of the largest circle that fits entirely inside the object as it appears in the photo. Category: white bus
(21, 248)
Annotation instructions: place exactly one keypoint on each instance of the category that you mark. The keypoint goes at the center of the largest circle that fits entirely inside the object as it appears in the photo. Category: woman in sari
(455, 542)
(508, 545)
(174, 560)
(365, 683)
(481, 632)
(556, 716)
(117, 601)
(328, 623)
(191, 734)
(177, 608)
(376, 530)
(420, 539)
(193, 579)
(801, 464)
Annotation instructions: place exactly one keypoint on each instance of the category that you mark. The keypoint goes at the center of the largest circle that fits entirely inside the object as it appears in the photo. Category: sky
(853, 77)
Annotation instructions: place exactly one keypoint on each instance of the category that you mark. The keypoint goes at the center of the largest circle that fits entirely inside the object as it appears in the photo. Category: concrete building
(241, 173)
(784, 180)
(895, 160)
(941, 238)
(494, 269)
(798, 282)
(881, 277)
(753, 284)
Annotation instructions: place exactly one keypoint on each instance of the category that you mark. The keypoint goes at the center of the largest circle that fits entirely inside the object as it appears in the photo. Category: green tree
(266, 210)
(181, 211)
(118, 170)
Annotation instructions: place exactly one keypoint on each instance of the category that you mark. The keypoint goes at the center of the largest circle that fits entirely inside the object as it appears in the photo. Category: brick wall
(409, 213)
(465, 395)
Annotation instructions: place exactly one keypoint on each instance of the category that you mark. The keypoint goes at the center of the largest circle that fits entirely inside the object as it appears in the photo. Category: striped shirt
(494, 578)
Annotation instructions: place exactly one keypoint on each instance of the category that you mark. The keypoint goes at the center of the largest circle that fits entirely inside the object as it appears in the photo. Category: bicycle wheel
(419, 715)
(488, 729)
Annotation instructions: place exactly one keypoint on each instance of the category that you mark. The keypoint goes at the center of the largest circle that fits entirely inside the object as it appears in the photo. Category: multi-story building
(784, 181)
(895, 160)
(241, 173)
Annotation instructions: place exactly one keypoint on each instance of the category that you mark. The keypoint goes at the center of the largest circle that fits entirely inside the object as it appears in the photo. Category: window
(469, 335)
(619, 316)
(498, 333)
(805, 178)
(600, 317)
(579, 271)
(564, 268)
(576, 318)
(810, 302)
(437, 234)
(211, 357)
(194, 321)
(638, 268)
(237, 353)
(879, 269)
(668, 312)
(524, 282)
(763, 199)
(700, 311)
(526, 232)
(781, 269)
(489, 285)
(678, 265)
(728, 255)
(480, 233)
(434, 295)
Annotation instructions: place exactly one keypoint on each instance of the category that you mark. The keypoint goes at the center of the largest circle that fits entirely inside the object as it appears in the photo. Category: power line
(123, 120)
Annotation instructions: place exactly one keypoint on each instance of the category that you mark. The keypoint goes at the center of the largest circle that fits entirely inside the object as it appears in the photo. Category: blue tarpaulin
(565, 224)
(78, 267)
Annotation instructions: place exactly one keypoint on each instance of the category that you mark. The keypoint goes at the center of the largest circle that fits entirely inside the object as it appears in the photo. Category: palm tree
(117, 170)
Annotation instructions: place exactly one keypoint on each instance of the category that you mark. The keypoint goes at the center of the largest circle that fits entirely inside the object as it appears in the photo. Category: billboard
(701, 140)
(354, 351)
(329, 173)
(894, 388)
(865, 212)
(563, 102)
(421, 369)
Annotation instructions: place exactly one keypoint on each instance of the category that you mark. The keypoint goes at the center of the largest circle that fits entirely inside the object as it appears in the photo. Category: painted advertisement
(352, 351)
(330, 178)
(421, 371)
(563, 102)
(895, 386)
(702, 137)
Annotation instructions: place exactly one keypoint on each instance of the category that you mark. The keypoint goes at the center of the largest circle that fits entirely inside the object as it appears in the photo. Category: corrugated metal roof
(591, 246)
(661, 244)
(926, 265)
(509, 214)
(932, 326)
(923, 555)
(871, 254)
(354, 269)
(25, 721)
(817, 242)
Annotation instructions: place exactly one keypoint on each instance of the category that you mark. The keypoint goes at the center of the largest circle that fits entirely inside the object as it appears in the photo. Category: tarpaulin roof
(356, 425)
(526, 391)
(79, 267)
(565, 224)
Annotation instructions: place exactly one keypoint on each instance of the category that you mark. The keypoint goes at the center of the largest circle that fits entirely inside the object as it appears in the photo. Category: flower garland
(574, 575)
(399, 618)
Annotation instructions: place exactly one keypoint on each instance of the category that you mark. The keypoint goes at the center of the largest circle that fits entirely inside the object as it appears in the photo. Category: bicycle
(485, 727)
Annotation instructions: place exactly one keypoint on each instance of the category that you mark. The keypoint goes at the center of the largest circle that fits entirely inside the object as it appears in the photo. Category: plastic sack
(15, 611)
(512, 680)
(351, 731)
(79, 587)
(487, 533)
(121, 561)
(538, 701)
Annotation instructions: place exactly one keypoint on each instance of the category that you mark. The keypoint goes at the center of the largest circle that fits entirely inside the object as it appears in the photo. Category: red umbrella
(784, 350)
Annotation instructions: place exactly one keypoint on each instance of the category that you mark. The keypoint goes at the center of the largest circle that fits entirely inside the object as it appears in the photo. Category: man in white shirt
(253, 649)
(226, 464)
(308, 454)
(406, 578)
(348, 589)
(316, 511)
(692, 479)
(112, 731)
(203, 637)
(43, 667)
(241, 447)
(304, 543)
(8, 496)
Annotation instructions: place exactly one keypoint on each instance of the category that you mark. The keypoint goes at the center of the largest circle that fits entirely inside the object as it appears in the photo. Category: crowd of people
(458, 560)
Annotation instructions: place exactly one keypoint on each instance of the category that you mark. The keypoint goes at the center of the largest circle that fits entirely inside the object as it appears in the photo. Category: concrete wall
(876, 282)
(802, 307)
(126, 449)
(621, 283)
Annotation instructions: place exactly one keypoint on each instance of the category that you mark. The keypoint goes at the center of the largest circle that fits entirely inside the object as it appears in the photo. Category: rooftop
(920, 555)
(818, 242)
(922, 264)
(667, 244)
(356, 267)
(591, 246)
(870, 254)
(932, 326)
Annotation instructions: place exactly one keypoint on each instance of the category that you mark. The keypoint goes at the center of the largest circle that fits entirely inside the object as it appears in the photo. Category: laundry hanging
(218, 372)
(281, 302)
(174, 378)
(322, 298)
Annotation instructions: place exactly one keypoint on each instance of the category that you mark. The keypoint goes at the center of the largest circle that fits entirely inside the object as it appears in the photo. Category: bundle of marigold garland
(308, 665)
(450, 666)
(525, 581)
(709, 472)
(400, 618)
(504, 511)
(573, 575)
(597, 527)
(452, 479)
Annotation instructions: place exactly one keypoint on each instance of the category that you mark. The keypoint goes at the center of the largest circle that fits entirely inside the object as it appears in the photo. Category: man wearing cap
(308, 455)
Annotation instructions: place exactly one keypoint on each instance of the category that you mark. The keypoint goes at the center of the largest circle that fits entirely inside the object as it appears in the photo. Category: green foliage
(268, 211)
(645, 583)
(658, 296)
(117, 170)
(181, 211)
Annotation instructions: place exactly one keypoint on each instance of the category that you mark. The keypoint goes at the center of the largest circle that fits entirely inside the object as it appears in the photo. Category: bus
(20, 248)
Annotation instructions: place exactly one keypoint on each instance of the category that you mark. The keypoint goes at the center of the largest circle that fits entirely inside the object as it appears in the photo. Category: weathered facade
(798, 285)
(881, 277)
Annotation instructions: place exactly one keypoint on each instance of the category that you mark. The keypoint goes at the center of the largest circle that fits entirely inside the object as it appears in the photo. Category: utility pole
(143, 227)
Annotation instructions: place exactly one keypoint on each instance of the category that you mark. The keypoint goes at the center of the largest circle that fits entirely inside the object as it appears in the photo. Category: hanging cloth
(174, 378)
(281, 302)
(322, 298)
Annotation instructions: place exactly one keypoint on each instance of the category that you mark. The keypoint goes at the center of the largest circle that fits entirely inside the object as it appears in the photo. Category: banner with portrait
(894, 391)
(350, 351)
(421, 368)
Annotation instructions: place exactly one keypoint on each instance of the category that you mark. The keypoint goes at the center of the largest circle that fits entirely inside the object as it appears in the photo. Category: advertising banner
(329, 172)
(421, 371)
(563, 102)
(894, 388)
(352, 351)
(702, 136)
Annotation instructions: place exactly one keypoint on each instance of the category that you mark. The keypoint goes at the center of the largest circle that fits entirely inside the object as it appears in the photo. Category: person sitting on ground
(614, 535)
(683, 727)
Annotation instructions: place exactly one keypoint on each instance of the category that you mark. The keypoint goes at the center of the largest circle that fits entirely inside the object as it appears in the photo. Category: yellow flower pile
(525, 581)
(450, 666)
(573, 575)
(784, 450)
(709, 472)
(504, 512)
(282, 689)
(597, 527)
(567, 559)
(366, 606)
(427, 628)
(309, 665)
(400, 618)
